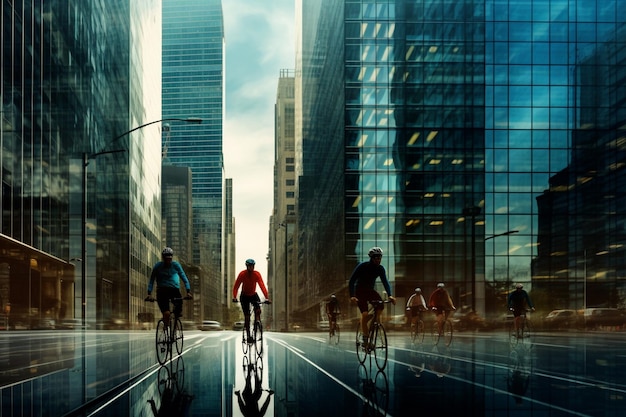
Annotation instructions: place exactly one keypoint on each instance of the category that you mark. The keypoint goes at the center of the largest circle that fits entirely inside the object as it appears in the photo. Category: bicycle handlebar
(260, 302)
(151, 299)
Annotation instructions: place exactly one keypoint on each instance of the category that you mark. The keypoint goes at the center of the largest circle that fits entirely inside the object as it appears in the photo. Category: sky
(259, 41)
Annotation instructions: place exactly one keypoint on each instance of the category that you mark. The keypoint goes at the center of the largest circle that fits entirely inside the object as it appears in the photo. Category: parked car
(238, 325)
(597, 317)
(323, 325)
(562, 319)
(71, 324)
(210, 325)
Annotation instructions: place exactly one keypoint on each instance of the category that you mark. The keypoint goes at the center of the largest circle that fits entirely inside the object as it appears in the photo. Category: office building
(70, 109)
(433, 128)
(193, 86)
(282, 224)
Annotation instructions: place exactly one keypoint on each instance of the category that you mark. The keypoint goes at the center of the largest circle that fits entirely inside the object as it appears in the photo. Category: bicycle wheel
(337, 333)
(361, 353)
(525, 331)
(162, 342)
(417, 332)
(258, 337)
(378, 338)
(447, 332)
(244, 341)
(434, 332)
(177, 335)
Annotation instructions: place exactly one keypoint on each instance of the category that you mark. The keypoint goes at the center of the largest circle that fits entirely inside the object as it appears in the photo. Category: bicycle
(445, 332)
(524, 330)
(168, 335)
(334, 331)
(377, 340)
(256, 337)
(417, 330)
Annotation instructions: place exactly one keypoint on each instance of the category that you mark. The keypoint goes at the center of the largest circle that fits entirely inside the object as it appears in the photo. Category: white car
(210, 325)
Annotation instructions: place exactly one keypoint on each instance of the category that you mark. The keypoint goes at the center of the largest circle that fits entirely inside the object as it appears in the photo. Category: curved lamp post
(86, 158)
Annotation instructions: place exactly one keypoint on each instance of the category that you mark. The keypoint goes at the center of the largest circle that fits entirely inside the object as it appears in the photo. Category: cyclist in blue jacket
(167, 273)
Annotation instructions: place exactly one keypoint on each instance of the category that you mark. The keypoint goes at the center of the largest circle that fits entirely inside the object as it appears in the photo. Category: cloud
(260, 41)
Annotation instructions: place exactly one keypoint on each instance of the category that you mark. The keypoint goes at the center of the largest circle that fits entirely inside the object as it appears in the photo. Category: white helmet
(375, 251)
(440, 285)
(418, 289)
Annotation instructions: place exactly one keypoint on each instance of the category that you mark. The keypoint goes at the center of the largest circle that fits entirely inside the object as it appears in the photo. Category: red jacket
(249, 281)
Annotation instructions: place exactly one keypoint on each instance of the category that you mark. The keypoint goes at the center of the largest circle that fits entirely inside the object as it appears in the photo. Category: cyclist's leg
(245, 307)
(178, 303)
(163, 300)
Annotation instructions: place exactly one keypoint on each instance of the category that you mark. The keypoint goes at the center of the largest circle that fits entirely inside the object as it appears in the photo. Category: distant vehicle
(597, 317)
(210, 325)
(71, 324)
(561, 319)
(116, 323)
(238, 325)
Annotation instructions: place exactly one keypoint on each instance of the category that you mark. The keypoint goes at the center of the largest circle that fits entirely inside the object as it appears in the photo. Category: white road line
(328, 374)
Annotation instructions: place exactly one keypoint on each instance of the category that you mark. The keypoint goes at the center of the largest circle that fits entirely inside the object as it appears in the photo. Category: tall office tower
(430, 128)
(193, 86)
(283, 216)
(76, 79)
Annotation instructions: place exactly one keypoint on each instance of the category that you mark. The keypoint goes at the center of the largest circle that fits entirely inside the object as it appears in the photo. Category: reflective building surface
(482, 145)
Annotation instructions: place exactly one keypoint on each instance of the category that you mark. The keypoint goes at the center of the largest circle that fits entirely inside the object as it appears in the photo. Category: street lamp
(472, 212)
(510, 232)
(285, 225)
(86, 158)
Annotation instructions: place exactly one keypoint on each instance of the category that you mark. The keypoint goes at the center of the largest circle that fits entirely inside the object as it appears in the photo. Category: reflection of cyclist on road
(441, 364)
(248, 279)
(362, 290)
(518, 302)
(332, 311)
(415, 305)
(248, 399)
(518, 379)
(167, 273)
(175, 402)
(440, 302)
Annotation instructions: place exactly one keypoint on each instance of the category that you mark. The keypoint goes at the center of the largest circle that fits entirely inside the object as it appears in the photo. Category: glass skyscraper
(69, 102)
(479, 143)
(193, 86)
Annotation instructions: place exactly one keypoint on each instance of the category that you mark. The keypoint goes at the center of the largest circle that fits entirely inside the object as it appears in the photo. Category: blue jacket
(168, 277)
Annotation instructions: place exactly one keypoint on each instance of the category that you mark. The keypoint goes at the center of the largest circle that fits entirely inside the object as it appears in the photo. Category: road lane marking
(331, 376)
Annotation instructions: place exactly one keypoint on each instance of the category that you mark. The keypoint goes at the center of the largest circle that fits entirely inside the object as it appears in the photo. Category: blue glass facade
(193, 86)
(481, 142)
(67, 94)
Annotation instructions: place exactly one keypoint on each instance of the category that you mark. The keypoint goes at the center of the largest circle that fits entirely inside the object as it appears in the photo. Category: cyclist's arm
(152, 279)
(182, 274)
(259, 281)
(236, 286)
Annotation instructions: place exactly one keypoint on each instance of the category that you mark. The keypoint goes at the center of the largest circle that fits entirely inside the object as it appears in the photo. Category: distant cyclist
(167, 273)
(415, 305)
(362, 287)
(518, 302)
(248, 279)
(440, 302)
(332, 311)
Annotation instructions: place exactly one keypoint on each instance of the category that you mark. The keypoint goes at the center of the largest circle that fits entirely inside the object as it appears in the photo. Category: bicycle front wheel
(447, 332)
(435, 333)
(162, 342)
(525, 330)
(417, 332)
(361, 353)
(380, 345)
(258, 337)
(177, 335)
(337, 333)
(244, 341)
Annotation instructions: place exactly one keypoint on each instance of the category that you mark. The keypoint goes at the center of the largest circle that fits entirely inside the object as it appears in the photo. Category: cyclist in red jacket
(248, 279)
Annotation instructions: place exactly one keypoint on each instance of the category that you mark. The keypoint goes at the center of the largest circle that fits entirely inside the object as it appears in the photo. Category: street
(115, 373)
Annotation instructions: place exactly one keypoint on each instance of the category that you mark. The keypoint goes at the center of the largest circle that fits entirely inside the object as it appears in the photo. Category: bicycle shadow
(174, 399)
(249, 397)
(375, 389)
(520, 371)
(440, 360)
